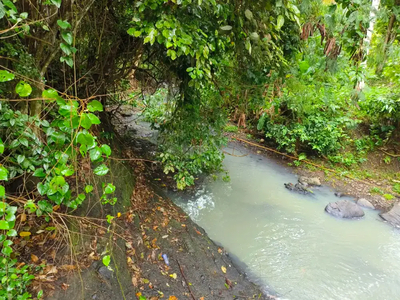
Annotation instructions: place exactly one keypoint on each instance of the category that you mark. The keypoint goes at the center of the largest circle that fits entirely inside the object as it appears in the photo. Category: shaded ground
(156, 251)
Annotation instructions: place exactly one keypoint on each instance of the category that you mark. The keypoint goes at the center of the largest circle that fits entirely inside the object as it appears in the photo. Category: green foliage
(231, 128)
(14, 280)
(48, 156)
(376, 190)
(388, 197)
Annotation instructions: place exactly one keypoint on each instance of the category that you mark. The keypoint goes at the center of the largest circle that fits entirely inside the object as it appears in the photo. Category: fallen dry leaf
(219, 250)
(23, 217)
(51, 270)
(34, 258)
(64, 286)
(223, 269)
(134, 281)
(67, 267)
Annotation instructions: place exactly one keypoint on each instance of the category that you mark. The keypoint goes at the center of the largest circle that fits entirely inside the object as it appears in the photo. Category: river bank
(372, 189)
(156, 250)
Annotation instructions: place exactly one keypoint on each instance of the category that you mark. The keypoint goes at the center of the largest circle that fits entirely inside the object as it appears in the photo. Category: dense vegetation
(307, 74)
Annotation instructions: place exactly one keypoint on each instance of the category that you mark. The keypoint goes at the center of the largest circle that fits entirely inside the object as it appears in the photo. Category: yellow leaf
(24, 233)
(223, 269)
(173, 275)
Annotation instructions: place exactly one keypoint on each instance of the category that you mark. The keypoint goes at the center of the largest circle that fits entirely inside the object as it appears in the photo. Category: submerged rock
(298, 188)
(365, 203)
(344, 209)
(310, 180)
(393, 215)
(339, 194)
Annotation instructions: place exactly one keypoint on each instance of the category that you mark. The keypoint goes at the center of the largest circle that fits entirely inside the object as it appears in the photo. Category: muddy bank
(156, 251)
(152, 226)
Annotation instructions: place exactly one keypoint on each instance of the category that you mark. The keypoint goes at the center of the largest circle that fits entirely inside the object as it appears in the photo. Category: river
(287, 241)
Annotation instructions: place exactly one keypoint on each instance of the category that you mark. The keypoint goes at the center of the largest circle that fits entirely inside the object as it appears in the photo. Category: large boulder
(365, 203)
(344, 209)
(310, 180)
(393, 215)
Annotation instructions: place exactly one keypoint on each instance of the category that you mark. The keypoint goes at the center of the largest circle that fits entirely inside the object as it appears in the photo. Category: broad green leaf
(280, 21)
(24, 142)
(248, 14)
(2, 192)
(226, 28)
(24, 15)
(1, 147)
(110, 188)
(95, 105)
(39, 173)
(106, 150)
(20, 159)
(68, 60)
(85, 121)
(63, 24)
(85, 138)
(10, 5)
(56, 3)
(134, 32)
(95, 154)
(52, 94)
(88, 189)
(6, 76)
(3, 173)
(6, 250)
(2, 11)
(93, 119)
(12, 232)
(66, 49)
(23, 89)
(101, 170)
(31, 206)
(106, 260)
(67, 36)
(4, 225)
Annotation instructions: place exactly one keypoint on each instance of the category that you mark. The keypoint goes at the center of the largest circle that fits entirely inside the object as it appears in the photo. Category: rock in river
(393, 215)
(298, 187)
(310, 180)
(365, 203)
(344, 209)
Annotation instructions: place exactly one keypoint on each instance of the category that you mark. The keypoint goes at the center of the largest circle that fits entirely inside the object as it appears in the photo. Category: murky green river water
(289, 244)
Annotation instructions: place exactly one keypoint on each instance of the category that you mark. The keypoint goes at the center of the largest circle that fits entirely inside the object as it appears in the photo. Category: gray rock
(365, 203)
(344, 209)
(105, 273)
(298, 188)
(393, 215)
(339, 194)
(310, 180)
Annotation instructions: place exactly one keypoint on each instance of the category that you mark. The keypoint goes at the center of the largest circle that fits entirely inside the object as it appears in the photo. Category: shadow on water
(287, 242)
